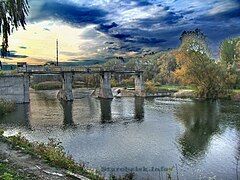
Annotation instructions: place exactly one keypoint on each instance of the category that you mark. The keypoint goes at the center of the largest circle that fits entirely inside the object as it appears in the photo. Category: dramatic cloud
(101, 28)
(69, 13)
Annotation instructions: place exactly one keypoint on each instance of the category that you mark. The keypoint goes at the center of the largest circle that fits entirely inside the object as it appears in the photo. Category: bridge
(67, 73)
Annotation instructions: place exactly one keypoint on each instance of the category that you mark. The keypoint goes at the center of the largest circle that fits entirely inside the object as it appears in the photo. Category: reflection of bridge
(67, 78)
(106, 111)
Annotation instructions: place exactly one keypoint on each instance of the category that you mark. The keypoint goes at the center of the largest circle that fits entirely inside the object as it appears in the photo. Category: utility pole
(57, 51)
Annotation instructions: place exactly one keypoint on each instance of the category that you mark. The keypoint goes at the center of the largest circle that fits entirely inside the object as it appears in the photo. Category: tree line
(189, 64)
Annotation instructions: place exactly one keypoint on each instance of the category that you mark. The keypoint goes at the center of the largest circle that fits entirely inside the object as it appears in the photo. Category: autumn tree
(12, 15)
(166, 65)
(195, 67)
(150, 87)
(210, 79)
(158, 67)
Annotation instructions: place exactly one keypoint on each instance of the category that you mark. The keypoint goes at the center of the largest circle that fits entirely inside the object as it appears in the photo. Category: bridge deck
(75, 70)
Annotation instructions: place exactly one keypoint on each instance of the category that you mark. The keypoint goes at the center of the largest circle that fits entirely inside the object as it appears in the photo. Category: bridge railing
(59, 69)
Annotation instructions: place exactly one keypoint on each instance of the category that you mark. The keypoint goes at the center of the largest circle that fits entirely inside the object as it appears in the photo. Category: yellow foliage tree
(150, 87)
(210, 79)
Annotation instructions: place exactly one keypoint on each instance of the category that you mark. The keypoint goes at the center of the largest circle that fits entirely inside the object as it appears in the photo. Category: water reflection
(139, 108)
(18, 118)
(106, 109)
(211, 131)
(201, 121)
(106, 114)
(68, 115)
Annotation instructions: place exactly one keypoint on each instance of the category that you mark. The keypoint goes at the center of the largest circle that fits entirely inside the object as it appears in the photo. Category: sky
(99, 29)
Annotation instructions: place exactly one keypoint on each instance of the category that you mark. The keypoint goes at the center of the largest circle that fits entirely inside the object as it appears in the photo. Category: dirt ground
(33, 167)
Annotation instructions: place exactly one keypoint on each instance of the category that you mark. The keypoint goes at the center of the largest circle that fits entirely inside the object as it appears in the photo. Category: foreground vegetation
(54, 154)
(8, 172)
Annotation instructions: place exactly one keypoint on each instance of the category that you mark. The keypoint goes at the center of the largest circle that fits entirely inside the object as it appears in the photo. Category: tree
(12, 15)
(195, 67)
(238, 50)
(230, 57)
(195, 41)
(210, 79)
(166, 64)
(228, 51)
(150, 87)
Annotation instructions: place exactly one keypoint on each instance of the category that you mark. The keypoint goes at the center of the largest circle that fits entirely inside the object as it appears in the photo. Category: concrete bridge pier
(26, 85)
(66, 92)
(105, 91)
(139, 84)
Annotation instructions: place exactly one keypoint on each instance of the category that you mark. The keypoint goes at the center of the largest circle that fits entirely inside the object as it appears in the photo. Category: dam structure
(16, 87)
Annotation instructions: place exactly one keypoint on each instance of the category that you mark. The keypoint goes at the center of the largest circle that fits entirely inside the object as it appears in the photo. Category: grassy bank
(6, 107)
(53, 153)
(49, 85)
(8, 172)
(173, 88)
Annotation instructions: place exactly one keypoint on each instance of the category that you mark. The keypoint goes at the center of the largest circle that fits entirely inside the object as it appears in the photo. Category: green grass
(53, 153)
(8, 172)
(173, 87)
(49, 85)
(236, 90)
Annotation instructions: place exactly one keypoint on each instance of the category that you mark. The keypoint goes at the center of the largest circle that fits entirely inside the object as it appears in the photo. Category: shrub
(114, 83)
(1, 73)
(7, 176)
(128, 82)
(11, 172)
(150, 87)
(49, 85)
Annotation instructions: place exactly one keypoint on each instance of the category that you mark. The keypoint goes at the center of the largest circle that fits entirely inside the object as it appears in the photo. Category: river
(193, 140)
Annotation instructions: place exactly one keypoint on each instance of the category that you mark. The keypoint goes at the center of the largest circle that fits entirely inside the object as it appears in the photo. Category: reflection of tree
(201, 122)
(106, 114)
(237, 158)
(67, 111)
(139, 108)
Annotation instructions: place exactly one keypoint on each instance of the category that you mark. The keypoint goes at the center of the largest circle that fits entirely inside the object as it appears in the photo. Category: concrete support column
(66, 93)
(105, 91)
(26, 84)
(139, 84)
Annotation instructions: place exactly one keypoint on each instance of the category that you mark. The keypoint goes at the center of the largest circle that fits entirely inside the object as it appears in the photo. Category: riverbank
(39, 161)
(174, 91)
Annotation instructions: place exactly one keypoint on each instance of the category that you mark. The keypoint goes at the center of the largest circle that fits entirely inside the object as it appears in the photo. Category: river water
(192, 140)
